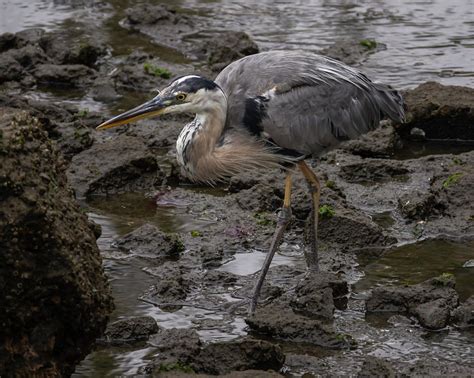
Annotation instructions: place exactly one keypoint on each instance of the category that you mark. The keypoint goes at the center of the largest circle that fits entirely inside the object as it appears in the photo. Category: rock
(227, 47)
(7, 41)
(162, 23)
(10, 69)
(63, 49)
(373, 171)
(260, 198)
(441, 111)
(315, 294)
(352, 52)
(116, 165)
(175, 346)
(433, 315)
(376, 367)
(74, 139)
(379, 143)
(55, 297)
(171, 285)
(277, 320)
(104, 91)
(71, 75)
(26, 37)
(463, 316)
(347, 227)
(430, 301)
(29, 56)
(130, 330)
(418, 205)
(224, 357)
(149, 241)
(182, 351)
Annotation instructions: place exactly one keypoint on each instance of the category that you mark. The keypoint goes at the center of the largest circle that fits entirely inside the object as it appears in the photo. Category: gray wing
(304, 102)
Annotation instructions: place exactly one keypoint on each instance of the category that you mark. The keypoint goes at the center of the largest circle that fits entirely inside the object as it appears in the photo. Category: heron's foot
(236, 307)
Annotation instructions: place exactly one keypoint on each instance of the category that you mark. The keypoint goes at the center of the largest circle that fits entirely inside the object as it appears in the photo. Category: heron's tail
(391, 103)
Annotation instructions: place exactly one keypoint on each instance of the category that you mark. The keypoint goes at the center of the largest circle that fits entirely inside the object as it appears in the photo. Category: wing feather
(312, 103)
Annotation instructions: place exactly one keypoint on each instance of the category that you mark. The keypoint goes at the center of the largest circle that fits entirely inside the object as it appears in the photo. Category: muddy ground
(377, 195)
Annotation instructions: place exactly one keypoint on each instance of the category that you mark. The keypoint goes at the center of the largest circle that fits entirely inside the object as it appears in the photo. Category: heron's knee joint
(313, 187)
(285, 215)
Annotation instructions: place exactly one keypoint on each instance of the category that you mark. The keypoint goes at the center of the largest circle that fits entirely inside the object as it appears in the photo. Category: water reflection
(431, 40)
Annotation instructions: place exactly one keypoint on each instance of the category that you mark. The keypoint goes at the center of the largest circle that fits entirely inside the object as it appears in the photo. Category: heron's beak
(148, 109)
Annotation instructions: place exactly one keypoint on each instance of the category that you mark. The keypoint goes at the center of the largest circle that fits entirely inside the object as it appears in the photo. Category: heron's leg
(312, 259)
(283, 220)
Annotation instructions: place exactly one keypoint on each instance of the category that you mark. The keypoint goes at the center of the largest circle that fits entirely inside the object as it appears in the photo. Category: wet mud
(183, 258)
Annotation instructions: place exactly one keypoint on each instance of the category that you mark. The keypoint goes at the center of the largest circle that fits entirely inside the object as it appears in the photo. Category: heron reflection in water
(269, 110)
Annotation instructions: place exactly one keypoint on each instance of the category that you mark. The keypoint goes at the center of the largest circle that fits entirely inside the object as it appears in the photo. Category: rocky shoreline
(420, 197)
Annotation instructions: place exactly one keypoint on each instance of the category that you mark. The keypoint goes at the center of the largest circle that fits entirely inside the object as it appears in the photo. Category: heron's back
(304, 102)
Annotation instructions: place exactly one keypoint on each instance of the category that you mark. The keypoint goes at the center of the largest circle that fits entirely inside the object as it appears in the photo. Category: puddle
(414, 149)
(414, 263)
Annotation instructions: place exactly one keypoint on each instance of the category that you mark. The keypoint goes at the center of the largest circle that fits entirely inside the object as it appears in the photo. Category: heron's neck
(208, 155)
(197, 141)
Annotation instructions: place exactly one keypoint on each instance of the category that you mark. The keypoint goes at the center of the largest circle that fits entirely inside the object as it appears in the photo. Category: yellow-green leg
(283, 220)
(312, 258)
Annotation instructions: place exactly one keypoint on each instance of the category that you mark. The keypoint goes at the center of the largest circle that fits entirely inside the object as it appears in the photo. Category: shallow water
(426, 40)
(414, 263)
(411, 263)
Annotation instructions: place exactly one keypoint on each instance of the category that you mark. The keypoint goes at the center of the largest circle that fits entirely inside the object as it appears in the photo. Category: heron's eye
(180, 96)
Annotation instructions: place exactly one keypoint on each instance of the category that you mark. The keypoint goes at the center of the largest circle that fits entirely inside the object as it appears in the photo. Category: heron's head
(187, 94)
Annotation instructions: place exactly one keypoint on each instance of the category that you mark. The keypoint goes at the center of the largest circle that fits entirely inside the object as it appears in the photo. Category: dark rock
(29, 56)
(171, 286)
(315, 294)
(430, 301)
(73, 75)
(227, 47)
(219, 278)
(463, 316)
(149, 241)
(130, 330)
(55, 298)
(104, 92)
(277, 320)
(31, 36)
(146, 14)
(134, 77)
(373, 171)
(119, 164)
(260, 198)
(243, 181)
(182, 351)
(211, 256)
(73, 139)
(376, 367)
(379, 143)
(10, 69)
(417, 205)
(348, 227)
(162, 23)
(433, 315)
(442, 112)
(63, 49)
(352, 52)
(7, 41)
(224, 357)
(174, 346)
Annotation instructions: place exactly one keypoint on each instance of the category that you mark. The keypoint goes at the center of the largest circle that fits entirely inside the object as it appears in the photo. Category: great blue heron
(272, 109)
